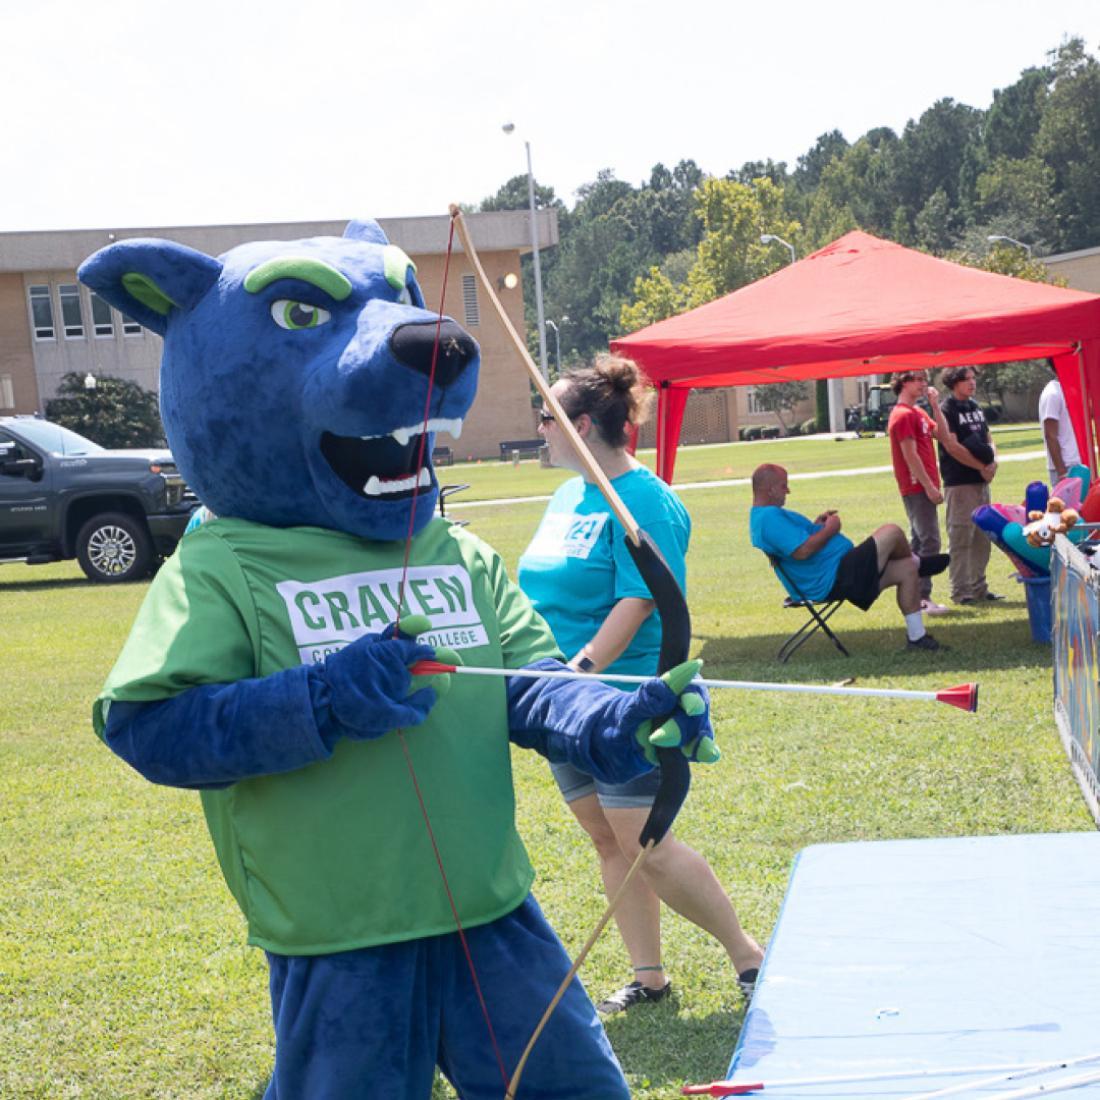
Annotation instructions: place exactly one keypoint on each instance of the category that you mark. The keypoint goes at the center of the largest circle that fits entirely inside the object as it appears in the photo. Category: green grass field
(123, 971)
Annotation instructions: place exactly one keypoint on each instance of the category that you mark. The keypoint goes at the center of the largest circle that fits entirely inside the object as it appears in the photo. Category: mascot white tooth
(269, 669)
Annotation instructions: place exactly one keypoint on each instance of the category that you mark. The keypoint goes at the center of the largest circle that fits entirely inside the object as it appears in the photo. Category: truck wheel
(113, 547)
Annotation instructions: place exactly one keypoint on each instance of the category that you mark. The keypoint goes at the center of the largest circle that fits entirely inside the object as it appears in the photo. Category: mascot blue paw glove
(369, 682)
(687, 708)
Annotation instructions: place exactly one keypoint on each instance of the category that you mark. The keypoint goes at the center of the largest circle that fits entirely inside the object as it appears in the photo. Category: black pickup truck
(63, 496)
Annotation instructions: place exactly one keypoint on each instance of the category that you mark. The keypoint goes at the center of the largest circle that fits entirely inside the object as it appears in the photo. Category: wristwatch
(585, 664)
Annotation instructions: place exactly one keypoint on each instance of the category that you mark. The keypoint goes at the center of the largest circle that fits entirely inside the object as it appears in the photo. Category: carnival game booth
(861, 306)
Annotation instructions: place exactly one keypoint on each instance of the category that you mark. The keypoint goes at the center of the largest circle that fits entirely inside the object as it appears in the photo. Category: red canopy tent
(867, 306)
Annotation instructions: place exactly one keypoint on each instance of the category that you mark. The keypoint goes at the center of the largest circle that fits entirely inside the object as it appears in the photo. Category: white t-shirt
(1052, 406)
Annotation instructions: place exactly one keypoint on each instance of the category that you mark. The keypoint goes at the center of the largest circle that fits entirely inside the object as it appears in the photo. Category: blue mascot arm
(596, 727)
(216, 734)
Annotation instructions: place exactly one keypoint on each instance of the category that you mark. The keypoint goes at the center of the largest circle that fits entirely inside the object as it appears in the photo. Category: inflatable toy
(1036, 496)
(1044, 526)
(1037, 557)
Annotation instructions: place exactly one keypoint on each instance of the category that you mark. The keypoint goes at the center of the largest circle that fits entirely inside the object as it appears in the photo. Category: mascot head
(295, 375)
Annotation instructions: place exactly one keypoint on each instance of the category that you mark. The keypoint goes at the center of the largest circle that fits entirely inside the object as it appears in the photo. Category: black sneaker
(927, 642)
(633, 994)
(746, 981)
(991, 596)
(933, 564)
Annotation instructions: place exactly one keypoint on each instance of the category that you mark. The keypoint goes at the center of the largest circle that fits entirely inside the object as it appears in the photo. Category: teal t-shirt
(577, 566)
(780, 532)
(335, 855)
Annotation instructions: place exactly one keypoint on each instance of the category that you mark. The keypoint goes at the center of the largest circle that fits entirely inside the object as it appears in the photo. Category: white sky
(130, 113)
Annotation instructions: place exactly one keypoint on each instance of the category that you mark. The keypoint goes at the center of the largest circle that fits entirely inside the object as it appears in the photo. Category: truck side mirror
(30, 468)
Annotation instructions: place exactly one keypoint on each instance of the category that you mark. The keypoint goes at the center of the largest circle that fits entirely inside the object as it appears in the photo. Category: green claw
(691, 703)
(441, 681)
(666, 737)
(447, 656)
(681, 675)
(709, 752)
(412, 626)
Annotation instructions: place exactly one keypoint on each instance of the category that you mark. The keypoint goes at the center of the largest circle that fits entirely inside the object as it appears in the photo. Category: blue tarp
(927, 954)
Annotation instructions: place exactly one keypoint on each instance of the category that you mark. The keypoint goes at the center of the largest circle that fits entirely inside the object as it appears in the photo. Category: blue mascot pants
(375, 1022)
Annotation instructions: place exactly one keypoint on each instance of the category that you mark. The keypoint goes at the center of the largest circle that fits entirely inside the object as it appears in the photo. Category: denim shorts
(636, 793)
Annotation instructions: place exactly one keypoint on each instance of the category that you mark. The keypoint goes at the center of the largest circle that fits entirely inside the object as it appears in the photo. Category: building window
(7, 392)
(130, 328)
(42, 312)
(469, 300)
(101, 317)
(752, 403)
(72, 317)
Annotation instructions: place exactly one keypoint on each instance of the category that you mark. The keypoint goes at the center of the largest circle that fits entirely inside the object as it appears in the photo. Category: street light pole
(994, 237)
(835, 386)
(508, 127)
(557, 344)
(767, 238)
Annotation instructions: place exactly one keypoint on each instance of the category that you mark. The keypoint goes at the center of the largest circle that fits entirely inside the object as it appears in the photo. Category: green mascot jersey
(336, 855)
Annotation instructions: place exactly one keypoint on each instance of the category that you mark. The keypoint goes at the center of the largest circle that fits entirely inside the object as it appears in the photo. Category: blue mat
(926, 954)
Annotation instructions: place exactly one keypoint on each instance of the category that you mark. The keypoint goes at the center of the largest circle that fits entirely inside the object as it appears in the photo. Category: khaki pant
(967, 544)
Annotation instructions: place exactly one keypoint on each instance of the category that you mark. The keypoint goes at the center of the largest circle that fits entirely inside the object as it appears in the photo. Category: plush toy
(269, 669)
(1043, 526)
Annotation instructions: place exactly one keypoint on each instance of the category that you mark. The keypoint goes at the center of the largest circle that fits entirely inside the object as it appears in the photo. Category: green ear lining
(396, 265)
(142, 289)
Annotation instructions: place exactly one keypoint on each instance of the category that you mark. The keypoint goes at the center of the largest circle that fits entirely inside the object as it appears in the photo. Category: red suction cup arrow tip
(721, 1088)
(965, 697)
(430, 668)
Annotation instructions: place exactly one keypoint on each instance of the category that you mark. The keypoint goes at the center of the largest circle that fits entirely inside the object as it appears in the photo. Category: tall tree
(807, 175)
(931, 152)
(734, 216)
(1069, 141)
(115, 413)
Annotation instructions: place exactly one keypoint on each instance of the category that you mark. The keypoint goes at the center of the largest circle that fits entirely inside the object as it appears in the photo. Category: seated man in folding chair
(825, 565)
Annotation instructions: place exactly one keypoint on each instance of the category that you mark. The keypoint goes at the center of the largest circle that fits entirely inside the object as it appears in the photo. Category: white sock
(914, 626)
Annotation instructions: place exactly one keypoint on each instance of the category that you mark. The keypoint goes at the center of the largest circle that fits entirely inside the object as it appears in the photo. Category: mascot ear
(366, 230)
(147, 278)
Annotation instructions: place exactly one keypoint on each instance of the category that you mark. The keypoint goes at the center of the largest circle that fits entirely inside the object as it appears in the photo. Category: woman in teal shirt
(579, 576)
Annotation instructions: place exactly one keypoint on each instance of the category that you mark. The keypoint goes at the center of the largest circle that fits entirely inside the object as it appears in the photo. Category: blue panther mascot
(269, 669)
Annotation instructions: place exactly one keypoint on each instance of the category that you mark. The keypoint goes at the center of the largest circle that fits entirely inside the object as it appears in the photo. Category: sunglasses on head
(545, 417)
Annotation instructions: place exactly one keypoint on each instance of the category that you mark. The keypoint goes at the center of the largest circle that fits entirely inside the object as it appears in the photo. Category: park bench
(530, 447)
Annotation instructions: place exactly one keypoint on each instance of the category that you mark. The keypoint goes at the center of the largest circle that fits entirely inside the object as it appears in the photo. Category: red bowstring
(401, 733)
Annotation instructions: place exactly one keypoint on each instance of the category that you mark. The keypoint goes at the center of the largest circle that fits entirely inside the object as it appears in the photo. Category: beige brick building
(1080, 269)
(51, 325)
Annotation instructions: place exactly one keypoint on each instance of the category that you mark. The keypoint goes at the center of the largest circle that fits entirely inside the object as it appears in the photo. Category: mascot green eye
(294, 315)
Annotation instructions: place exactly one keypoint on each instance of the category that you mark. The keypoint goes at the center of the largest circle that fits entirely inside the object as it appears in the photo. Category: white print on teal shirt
(326, 615)
(564, 535)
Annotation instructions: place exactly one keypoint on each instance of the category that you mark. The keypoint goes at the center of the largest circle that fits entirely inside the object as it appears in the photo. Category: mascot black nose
(412, 346)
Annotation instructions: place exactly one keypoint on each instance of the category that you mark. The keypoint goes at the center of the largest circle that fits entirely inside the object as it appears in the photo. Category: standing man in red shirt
(911, 432)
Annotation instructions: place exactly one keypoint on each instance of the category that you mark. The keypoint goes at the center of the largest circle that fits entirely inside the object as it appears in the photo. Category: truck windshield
(55, 439)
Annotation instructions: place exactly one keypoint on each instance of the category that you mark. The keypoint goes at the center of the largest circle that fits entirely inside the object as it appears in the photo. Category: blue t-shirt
(780, 532)
(577, 566)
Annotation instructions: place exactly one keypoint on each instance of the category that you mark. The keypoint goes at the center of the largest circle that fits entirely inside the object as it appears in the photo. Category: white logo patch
(326, 615)
(561, 535)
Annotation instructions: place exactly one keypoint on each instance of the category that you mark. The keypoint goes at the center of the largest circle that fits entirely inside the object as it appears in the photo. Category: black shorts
(857, 576)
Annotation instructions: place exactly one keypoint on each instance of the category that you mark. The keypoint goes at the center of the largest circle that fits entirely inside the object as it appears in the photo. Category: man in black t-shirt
(968, 462)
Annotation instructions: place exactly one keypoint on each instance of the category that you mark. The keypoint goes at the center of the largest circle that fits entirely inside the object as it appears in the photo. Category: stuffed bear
(269, 669)
(1057, 520)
